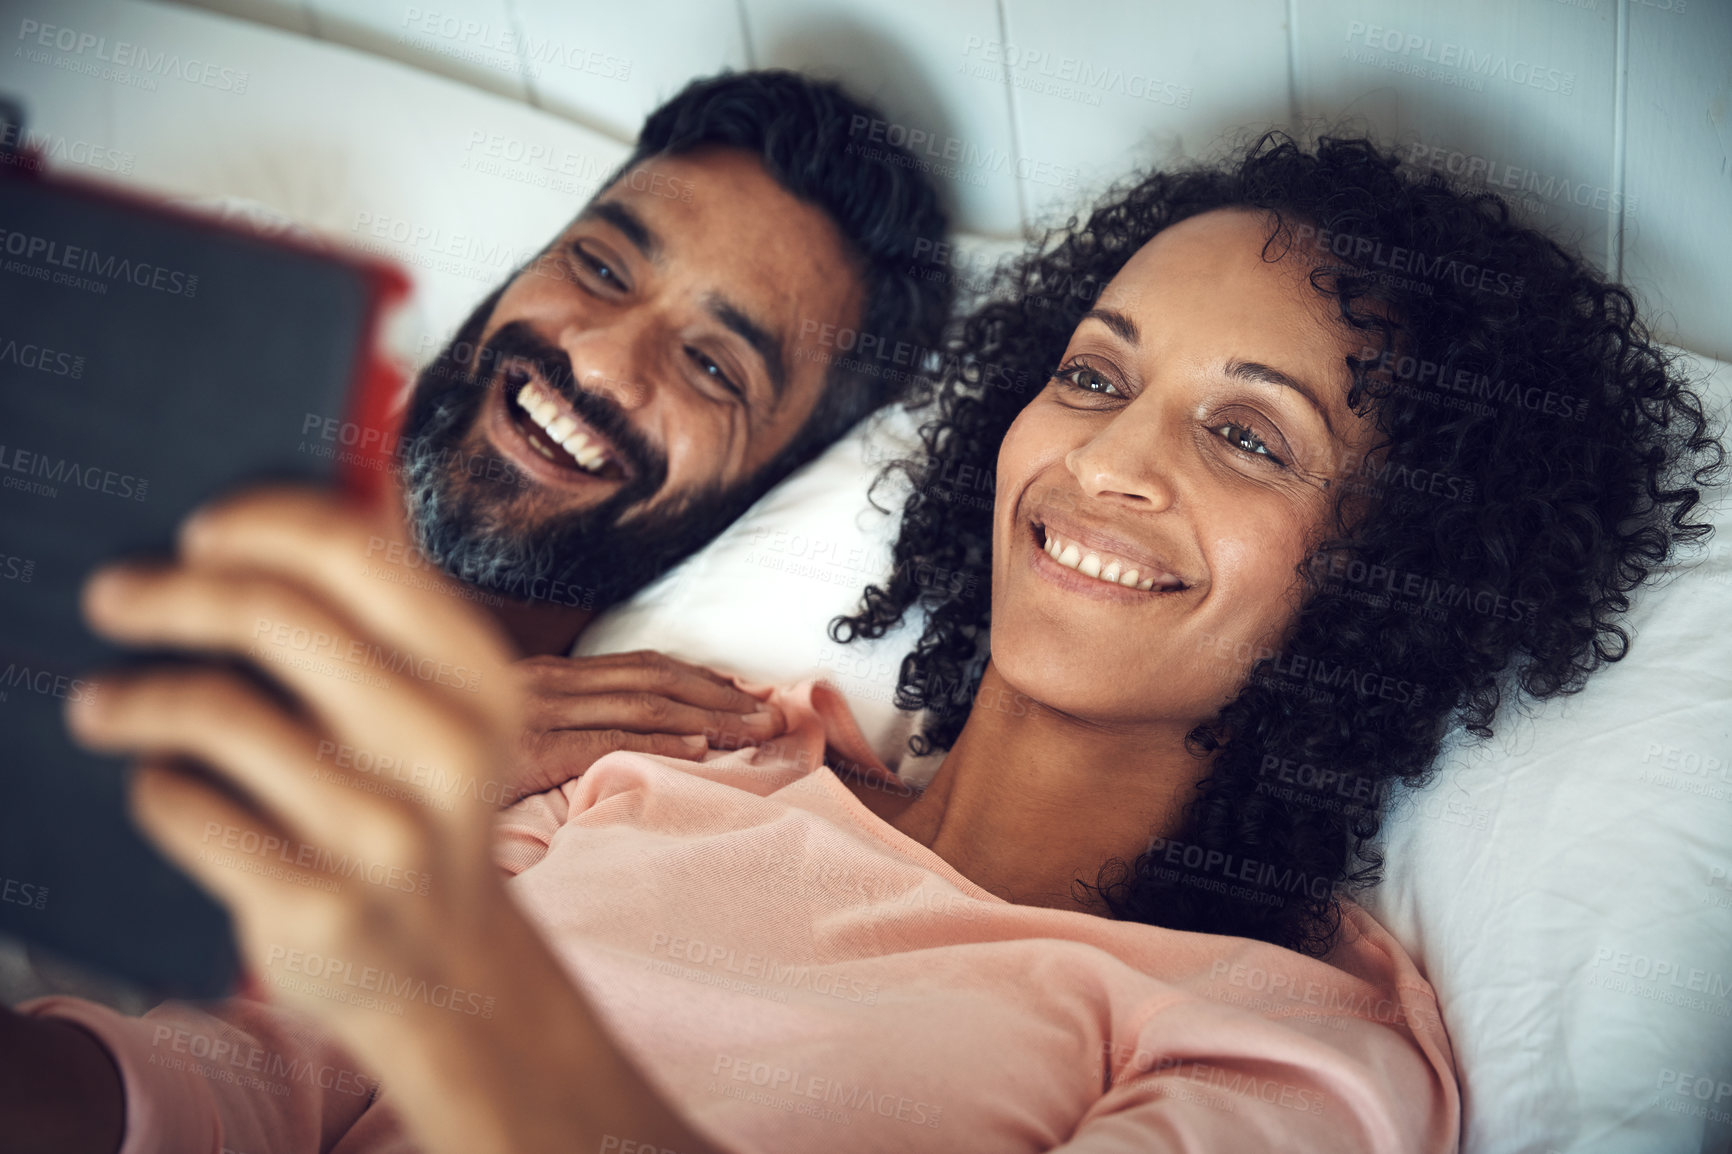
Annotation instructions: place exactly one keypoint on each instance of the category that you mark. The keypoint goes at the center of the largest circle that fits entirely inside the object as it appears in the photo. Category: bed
(1567, 887)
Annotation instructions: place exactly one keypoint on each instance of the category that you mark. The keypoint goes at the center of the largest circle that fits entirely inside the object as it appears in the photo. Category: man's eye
(599, 268)
(710, 368)
(1087, 379)
(1244, 439)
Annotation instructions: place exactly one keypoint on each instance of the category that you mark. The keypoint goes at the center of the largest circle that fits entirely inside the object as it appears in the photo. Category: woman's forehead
(1213, 274)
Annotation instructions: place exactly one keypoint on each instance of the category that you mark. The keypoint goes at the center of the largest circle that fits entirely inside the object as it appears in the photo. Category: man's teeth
(1111, 569)
(559, 427)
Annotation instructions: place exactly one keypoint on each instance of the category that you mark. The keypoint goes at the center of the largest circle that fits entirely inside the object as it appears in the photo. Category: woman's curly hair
(1539, 456)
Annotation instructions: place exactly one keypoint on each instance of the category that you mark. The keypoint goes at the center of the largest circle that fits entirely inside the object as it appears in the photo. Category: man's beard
(459, 500)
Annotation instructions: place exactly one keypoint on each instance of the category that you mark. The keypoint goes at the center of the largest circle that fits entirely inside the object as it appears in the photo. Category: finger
(175, 811)
(318, 540)
(657, 657)
(370, 694)
(563, 754)
(647, 713)
(247, 740)
(643, 671)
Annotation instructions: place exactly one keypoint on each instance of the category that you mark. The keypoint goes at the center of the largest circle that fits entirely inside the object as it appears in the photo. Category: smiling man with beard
(669, 357)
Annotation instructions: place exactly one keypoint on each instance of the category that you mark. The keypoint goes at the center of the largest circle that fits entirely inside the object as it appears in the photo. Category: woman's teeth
(560, 428)
(1110, 569)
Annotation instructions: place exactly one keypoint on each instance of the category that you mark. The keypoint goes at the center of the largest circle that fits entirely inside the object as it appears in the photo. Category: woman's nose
(1125, 460)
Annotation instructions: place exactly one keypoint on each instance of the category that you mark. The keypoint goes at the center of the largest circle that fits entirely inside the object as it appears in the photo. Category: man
(658, 367)
(654, 370)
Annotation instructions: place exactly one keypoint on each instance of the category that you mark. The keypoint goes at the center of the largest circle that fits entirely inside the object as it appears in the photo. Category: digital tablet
(149, 361)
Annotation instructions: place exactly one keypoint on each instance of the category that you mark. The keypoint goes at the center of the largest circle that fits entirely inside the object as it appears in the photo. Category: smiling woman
(1389, 459)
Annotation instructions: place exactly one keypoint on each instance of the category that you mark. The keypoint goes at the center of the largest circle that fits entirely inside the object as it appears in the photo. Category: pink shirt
(797, 975)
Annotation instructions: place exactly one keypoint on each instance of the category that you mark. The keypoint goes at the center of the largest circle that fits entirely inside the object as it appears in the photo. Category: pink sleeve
(242, 1077)
(1208, 1076)
(522, 832)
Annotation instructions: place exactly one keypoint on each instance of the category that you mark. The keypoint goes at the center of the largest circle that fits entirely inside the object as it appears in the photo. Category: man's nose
(608, 360)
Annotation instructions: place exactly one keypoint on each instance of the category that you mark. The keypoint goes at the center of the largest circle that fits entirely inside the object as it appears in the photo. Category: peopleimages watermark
(372, 772)
(1321, 787)
(1429, 380)
(17, 143)
(1525, 182)
(1339, 572)
(1398, 258)
(1661, 980)
(800, 1084)
(44, 683)
(1416, 51)
(61, 262)
(773, 973)
(369, 987)
(1695, 1088)
(1687, 770)
(1180, 1070)
(122, 59)
(283, 637)
(562, 169)
(30, 471)
(21, 893)
(244, 844)
(1263, 880)
(808, 877)
(1065, 77)
(41, 358)
(238, 1062)
(1302, 671)
(950, 157)
(532, 51)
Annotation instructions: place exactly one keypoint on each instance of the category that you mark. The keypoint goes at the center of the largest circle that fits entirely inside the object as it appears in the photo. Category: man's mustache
(518, 341)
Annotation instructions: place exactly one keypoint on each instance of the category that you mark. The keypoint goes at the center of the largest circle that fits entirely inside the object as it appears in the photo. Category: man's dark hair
(806, 133)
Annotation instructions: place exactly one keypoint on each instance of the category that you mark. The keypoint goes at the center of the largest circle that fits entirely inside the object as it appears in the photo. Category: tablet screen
(148, 362)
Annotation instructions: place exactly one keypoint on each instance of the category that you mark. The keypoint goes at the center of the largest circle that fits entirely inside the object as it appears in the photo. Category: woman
(1504, 456)
(754, 953)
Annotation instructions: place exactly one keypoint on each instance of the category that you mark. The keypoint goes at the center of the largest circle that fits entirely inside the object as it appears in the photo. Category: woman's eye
(1088, 380)
(1244, 439)
(710, 368)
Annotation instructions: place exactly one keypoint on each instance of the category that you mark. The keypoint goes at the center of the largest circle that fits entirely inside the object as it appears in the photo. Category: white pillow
(758, 600)
(1567, 888)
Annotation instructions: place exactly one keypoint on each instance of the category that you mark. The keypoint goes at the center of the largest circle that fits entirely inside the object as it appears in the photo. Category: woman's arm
(418, 961)
(59, 1090)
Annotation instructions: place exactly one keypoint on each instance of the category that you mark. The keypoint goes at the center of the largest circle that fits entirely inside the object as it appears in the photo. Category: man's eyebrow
(768, 345)
(1254, 371)
(629, 223)
(1121, 324)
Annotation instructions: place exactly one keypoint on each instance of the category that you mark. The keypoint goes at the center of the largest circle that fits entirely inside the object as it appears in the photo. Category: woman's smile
(1085, 562)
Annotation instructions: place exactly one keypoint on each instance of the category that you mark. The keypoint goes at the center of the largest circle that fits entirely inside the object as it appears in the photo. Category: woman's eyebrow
(1121, 324)
(1255, 371)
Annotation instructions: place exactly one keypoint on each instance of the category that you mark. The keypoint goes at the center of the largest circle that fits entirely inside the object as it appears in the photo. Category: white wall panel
(293, 15)
(921, 64)
(1521, 95)
(610, 65)
(1101, 88)
(1678, 169)
(454, 185)
(475, 41)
